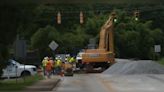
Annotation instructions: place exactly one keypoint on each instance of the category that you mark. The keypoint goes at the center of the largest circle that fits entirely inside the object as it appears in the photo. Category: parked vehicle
(15, 69)
(79, 60)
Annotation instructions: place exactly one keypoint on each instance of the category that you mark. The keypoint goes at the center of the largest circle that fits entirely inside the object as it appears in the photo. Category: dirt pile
(135, 67)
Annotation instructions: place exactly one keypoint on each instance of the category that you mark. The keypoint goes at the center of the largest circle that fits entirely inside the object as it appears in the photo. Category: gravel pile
(135, 67)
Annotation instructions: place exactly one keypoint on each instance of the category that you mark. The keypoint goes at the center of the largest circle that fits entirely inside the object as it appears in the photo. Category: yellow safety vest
(58, 63)
(44, 62)
(71, 60)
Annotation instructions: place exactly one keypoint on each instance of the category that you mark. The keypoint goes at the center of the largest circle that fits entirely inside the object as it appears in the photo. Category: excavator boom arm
(106, 35)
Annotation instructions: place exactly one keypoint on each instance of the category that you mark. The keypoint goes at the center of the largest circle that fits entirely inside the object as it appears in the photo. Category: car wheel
(25, 73)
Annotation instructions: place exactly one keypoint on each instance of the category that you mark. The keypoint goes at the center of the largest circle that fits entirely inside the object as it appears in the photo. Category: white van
(15, 69)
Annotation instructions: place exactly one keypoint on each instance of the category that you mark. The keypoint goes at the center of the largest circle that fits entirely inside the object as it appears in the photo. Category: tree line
(37, 24)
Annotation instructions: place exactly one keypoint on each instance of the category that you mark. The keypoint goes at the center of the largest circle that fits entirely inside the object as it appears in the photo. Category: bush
(3, 57)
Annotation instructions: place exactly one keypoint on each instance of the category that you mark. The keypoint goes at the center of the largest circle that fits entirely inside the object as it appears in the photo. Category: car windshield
(14, 62)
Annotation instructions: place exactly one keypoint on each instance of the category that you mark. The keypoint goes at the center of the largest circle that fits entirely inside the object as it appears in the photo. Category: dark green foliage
(136, 39)
(69, 42)
(37, 24)
(42, 37)
(3, 57)
(8, 27)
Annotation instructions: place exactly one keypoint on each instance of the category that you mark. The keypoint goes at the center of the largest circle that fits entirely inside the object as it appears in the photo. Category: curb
(43, 86)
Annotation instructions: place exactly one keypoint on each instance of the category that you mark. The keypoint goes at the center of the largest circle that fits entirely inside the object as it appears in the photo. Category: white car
(15, 69)
(79, 64)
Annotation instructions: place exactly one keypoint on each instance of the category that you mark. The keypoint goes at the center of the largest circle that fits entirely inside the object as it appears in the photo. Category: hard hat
(45, 57)
(67, 55)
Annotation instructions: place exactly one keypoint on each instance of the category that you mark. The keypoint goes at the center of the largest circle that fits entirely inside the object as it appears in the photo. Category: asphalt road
(81, 83)
(111, 83)
(135, 83)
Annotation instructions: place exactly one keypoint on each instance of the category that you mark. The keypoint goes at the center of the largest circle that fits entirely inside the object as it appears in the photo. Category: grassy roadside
(161, 61)
(12, 85)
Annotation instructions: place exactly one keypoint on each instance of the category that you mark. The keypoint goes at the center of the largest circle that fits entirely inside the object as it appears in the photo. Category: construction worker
(44, 62)
(53, 64)
(72, 60)
(58, 64)
(49, 68)
(68, 67)
(67, 58)
(62, 70)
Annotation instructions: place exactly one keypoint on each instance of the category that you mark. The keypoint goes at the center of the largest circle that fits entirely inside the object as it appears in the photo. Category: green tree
(3, 57)
(42, 38)
(8, 27)
(93, 24)
(75, 40)
(135, 39)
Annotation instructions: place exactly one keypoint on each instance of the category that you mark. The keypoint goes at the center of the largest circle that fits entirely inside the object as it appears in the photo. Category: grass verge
(20, 84)
(161, 61)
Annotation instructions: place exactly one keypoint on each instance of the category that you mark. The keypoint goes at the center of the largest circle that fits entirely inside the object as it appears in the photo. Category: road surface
(111, 83)
(81, 83)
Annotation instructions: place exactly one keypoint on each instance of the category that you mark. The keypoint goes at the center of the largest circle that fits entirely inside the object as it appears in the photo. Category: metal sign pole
(157, 50)
(16, 74)
(24, 70)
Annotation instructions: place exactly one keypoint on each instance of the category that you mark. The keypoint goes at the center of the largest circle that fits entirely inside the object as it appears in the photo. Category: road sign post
(53, 46)
(157, 50)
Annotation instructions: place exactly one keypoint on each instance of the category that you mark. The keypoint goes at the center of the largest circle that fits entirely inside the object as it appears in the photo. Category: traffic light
(58, 18)
(114, 17)
(81, 17)
(136, 15)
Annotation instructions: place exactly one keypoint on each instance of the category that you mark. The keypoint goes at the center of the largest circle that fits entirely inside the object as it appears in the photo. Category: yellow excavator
(104, 55)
